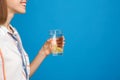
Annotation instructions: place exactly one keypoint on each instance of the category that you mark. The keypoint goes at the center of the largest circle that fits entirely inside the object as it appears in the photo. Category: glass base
(57, 54)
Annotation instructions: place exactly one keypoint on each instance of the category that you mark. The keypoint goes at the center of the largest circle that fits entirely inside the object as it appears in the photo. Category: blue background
(92, 32)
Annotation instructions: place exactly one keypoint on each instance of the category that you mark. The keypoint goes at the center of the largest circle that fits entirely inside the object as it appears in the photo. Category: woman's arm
(37, 61)
(46, 50)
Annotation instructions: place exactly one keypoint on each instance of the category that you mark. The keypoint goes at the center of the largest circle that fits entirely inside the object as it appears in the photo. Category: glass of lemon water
(56, 34)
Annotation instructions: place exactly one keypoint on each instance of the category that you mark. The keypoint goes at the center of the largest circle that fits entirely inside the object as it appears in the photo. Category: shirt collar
(5, 30)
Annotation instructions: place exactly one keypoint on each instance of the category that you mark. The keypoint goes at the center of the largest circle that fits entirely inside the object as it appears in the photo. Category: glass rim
(55, 31)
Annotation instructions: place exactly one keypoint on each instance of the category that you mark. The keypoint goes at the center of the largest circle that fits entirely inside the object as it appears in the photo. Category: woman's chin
(21, 12)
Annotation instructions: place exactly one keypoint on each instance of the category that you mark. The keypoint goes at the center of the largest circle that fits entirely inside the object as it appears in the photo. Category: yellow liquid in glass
(57, 50)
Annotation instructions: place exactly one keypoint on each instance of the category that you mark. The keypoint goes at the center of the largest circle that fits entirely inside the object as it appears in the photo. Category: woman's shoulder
(1, 37)
(2, 31)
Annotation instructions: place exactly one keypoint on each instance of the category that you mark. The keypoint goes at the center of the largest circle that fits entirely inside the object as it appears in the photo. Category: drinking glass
(55, 35)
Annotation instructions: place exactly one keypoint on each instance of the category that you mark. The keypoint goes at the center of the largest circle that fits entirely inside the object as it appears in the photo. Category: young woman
(14, 61)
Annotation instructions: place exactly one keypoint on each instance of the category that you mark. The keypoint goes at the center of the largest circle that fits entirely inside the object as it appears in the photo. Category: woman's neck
(9, 18)
(7, 23)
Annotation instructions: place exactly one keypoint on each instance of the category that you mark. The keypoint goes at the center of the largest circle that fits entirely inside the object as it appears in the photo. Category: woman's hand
(47, 47)
(46, 50)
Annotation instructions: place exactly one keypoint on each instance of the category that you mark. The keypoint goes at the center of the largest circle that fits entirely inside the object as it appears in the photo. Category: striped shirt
(14, 61)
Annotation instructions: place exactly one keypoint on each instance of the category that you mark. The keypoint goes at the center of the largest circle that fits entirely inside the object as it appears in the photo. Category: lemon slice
(56, 49)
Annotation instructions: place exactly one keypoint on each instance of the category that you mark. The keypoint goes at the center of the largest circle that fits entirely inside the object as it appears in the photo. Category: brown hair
(3, 11)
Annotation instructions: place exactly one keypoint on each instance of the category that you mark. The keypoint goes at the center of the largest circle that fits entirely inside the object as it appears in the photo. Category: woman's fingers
(60, 38)
(61, 44)
(60, 41)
